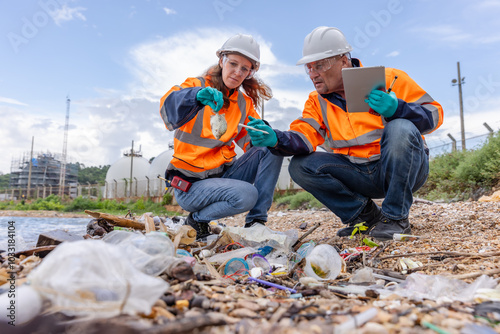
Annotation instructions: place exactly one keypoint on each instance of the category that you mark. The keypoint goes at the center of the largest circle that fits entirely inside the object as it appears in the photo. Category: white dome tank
(158, 167)
(118, 177)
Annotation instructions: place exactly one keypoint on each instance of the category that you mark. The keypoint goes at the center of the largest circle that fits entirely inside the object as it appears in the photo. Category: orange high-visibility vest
(197, 154)
(357, 135)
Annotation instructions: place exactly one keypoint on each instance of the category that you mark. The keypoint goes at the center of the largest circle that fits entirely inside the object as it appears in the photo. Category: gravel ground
(455, 240)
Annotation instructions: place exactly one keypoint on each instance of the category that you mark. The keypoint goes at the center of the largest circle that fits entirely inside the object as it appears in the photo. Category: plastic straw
(272, 284)
(356, 321)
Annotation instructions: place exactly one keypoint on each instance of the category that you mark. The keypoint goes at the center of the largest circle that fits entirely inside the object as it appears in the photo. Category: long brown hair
(255, 88)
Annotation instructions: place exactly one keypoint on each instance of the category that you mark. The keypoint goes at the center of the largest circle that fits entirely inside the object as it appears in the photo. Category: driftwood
(31, 251)
(117, 221)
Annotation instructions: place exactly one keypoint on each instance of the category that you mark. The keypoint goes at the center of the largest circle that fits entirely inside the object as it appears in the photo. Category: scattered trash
(153, 273)
(94, 278)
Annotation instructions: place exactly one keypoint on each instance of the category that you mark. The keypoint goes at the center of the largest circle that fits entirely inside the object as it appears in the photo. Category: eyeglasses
(233, 65)
(319, 66)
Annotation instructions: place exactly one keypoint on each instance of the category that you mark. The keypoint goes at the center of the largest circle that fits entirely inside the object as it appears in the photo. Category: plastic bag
(440, 288)
(259, 236)
(149, 253)
(323, 263)
(94, 278)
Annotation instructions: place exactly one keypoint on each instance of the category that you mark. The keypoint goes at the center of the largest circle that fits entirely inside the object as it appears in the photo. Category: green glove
(383, 103)
(211, 97)
(260, 138)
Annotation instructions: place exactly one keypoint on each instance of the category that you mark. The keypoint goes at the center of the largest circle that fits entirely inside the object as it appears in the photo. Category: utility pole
(459, 83)
(131, 167)
(31, 165)
(62, 177)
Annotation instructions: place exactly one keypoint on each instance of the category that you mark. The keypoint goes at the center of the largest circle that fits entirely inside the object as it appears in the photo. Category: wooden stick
(477, 274)
(150, 224)
(311, 230)
(118, 221)
(444, 253)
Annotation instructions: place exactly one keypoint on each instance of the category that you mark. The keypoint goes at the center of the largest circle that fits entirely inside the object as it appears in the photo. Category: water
(27, 229)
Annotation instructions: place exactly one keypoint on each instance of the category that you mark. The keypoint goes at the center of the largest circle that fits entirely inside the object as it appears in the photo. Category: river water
(27, 229)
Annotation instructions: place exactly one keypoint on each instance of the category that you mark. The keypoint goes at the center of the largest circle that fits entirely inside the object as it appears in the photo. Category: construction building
(42, 177)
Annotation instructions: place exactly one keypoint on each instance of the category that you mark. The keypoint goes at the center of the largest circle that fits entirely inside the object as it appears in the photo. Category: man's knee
(296, 166)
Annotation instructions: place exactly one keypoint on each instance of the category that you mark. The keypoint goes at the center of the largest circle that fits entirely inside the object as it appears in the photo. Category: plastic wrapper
(259, 236)
(149, 253)
(95, 278)
(363, 275)
(442, 289)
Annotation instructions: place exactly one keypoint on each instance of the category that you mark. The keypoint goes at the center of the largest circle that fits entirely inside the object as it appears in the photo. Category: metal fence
(155, 188)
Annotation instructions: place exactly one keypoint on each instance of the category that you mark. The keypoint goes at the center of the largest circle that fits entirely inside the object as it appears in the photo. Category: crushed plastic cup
(236, 264)
(260, 261)
(323, 263)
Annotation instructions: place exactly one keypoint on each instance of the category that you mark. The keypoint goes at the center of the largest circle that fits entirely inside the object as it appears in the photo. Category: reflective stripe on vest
(194, 138)
(366, 138)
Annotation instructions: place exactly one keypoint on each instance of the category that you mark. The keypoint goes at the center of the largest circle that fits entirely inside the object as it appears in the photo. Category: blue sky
(116, 59)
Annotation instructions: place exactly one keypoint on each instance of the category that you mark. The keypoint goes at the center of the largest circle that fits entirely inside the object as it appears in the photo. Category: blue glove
(383, 103)
(211, 97)
(260, 138)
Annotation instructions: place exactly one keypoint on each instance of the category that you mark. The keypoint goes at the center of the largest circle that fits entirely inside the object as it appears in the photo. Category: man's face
(326, 74)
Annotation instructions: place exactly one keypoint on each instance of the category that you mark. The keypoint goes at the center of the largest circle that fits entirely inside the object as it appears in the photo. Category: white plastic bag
(150, 253)
(94, 278)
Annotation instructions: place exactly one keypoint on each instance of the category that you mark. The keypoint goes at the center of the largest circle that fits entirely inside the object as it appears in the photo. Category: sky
(115, 60)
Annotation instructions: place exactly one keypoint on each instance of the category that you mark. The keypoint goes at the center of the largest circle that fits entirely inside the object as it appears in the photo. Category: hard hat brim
(248, 55)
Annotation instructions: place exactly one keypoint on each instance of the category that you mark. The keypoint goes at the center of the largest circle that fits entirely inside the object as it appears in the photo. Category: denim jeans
(345, 187)
(248, 185)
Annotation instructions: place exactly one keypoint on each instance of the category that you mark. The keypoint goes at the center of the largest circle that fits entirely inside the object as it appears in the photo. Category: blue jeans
(248, 185)
(345, 187)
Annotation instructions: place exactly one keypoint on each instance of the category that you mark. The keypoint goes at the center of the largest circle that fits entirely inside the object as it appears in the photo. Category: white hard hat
(244, 44)
(323, 42)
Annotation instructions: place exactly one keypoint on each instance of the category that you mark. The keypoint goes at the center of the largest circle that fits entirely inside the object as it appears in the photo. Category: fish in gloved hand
(218, 124)
(213, 98)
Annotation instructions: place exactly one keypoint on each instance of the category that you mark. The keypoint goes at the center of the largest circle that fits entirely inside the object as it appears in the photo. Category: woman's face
(235, 69)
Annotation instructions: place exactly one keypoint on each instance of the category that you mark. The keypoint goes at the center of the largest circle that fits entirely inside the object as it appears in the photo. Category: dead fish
(218, 124)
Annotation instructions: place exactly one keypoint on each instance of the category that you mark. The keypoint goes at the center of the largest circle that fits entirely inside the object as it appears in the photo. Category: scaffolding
(44, 177)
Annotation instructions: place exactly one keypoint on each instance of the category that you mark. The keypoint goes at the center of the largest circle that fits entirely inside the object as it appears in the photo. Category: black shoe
(386, 228)
(370, 216)
(253, 222)
(202, 229)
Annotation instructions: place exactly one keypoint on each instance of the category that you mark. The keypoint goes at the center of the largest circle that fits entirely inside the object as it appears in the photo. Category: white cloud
(11, 101)
(66, 13)
(393, 54)
(103, 128)
(169, 11)
(166, 62)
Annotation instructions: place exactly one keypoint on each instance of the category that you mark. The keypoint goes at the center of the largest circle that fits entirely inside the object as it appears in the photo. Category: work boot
(202, 229)
(387, 227)
(370, 216)
(253, 222)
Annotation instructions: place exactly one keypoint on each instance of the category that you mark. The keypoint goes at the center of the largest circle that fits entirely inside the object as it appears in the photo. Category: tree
(4, 180)
(92, 174)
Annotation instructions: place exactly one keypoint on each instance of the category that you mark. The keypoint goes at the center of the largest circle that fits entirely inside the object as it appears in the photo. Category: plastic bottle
(305, 249)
